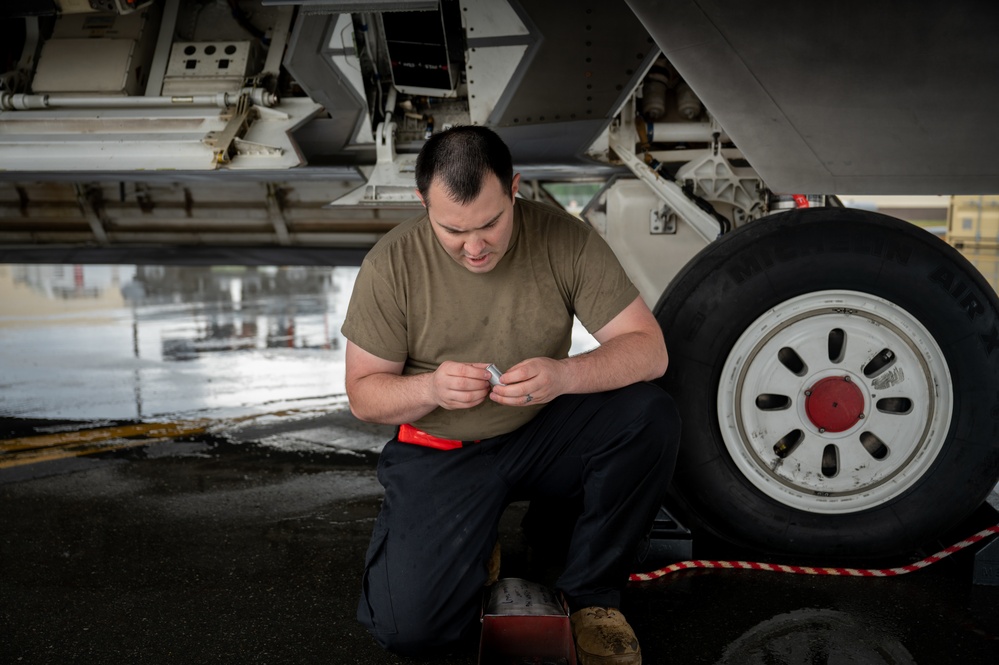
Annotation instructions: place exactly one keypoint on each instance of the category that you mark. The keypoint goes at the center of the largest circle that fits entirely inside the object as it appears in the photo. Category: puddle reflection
(237, 308)
(111, 342)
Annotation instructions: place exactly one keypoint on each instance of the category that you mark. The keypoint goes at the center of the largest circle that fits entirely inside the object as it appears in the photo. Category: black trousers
(426, 564)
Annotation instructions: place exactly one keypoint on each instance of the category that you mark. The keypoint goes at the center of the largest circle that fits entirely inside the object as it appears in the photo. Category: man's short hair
(460, 158)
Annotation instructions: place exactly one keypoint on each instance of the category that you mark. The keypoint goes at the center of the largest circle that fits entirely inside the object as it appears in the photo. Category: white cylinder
(682, 132)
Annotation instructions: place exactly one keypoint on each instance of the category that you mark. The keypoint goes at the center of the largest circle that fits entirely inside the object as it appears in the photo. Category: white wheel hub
(834, 401)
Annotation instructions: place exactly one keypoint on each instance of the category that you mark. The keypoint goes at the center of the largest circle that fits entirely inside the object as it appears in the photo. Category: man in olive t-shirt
(484, 278)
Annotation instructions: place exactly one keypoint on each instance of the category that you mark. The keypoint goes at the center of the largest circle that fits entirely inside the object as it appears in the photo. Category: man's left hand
(532, 381)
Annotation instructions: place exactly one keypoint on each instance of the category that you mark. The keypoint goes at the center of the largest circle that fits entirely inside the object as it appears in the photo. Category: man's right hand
(379, 393)
(460, 385)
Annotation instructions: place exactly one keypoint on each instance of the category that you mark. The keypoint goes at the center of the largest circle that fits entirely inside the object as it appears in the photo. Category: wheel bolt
(822, 430)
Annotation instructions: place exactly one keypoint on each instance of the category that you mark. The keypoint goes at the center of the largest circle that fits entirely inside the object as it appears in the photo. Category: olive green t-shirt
(412, 302)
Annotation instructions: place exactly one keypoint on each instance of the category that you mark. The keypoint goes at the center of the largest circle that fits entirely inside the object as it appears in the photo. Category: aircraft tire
(837, 372)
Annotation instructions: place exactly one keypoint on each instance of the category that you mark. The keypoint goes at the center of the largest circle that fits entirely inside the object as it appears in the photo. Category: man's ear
(420, 196)
(516, 185)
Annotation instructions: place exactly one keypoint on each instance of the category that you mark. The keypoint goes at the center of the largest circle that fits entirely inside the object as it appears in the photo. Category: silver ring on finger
(528, 398)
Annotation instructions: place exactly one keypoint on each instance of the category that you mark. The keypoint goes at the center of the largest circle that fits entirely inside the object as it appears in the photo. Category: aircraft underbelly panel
(840, 98)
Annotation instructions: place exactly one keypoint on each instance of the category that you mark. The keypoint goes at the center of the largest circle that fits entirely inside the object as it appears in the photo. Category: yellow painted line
(149, 430)
(51, 454)
(47, 447)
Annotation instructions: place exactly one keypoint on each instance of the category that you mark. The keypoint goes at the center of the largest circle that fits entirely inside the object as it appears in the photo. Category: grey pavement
(247, 547)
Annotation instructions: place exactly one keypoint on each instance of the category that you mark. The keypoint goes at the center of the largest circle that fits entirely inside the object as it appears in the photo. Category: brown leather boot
(603, 637)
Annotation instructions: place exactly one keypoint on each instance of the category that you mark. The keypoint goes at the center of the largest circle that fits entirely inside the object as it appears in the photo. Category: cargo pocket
(375, 607)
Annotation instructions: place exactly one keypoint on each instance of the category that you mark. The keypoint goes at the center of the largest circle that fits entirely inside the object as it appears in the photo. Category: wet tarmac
(245, 546)
(181, 482)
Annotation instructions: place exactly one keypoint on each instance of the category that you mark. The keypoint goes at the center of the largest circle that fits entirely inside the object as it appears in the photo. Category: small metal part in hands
(494, 375)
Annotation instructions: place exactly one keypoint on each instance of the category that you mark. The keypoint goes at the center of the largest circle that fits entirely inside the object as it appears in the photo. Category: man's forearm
(621, 361)
(391, 399)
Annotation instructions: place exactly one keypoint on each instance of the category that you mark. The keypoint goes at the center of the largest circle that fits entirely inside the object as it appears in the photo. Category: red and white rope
(812, 570)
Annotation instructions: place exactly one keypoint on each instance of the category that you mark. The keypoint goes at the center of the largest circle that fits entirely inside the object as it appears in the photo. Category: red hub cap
(834, 404)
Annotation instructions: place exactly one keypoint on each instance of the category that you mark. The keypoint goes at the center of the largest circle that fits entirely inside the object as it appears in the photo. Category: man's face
(476, 234)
